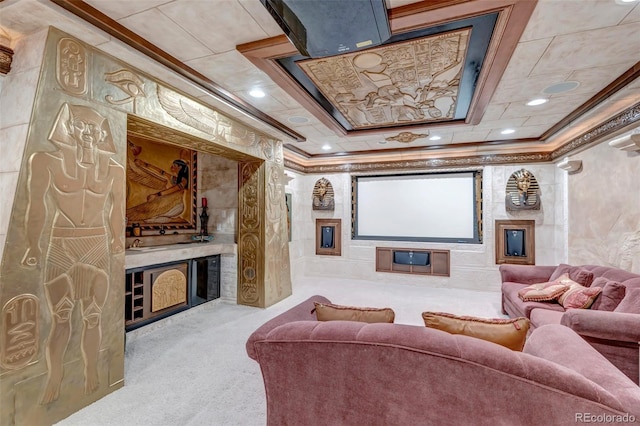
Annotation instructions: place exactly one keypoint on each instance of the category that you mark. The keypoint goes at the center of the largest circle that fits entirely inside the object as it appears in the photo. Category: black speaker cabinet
(328, 237)
(515, 242)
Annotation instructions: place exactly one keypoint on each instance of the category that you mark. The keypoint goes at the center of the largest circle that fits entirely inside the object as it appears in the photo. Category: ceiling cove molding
(409, 149)
(433, 163)
(621, 121)
(113, 28)
(626, 118)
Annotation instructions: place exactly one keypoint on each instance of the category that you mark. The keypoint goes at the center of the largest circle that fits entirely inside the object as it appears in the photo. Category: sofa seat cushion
(332, 312)
(541, 316)
(510, 292)
(510, 333)
(612, 294)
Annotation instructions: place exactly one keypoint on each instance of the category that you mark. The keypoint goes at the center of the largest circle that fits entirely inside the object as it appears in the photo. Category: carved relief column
(251, 234)
(264, 276)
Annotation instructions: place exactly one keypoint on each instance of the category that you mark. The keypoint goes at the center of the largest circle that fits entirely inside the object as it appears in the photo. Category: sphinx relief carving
(71, 188)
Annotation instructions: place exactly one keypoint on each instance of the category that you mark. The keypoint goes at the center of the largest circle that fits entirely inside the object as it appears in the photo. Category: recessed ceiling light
(565, 86)
(435, 138)
(625, 1)
(257, 93)
(326, 147)
(538, 101)
(296, 119)
(382, 142)
(507, 131)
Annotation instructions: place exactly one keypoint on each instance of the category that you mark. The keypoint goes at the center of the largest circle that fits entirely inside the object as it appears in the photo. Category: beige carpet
(192, 368)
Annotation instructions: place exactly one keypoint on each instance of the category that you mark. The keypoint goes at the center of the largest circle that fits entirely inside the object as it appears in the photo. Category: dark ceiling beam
(113, 28)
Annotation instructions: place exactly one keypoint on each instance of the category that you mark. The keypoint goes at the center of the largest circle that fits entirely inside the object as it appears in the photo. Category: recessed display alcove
(515, 242)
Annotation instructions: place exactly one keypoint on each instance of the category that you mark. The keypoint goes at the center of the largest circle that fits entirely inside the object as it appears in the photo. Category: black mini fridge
(205, 279)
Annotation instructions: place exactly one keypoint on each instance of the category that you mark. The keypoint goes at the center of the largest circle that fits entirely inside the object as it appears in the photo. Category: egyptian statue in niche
(71, 188)
(323, 198)
(523, 191)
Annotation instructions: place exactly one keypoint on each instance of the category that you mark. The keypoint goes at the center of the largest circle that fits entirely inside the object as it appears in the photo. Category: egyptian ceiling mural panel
(410, 82)
(420, 77)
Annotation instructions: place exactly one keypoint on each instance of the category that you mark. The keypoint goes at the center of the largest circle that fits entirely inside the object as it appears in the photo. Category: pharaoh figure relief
(323, 198)
(70, 188)
(523, 191)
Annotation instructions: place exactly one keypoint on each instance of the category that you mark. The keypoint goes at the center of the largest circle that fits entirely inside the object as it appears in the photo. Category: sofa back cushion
(631, 302)
(612, 294)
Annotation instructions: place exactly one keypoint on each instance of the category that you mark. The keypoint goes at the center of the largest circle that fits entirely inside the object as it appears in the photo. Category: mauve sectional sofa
(353, 373)
(611, 325)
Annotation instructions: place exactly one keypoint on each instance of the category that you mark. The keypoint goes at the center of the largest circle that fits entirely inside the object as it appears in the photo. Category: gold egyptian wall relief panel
(250, 233)
(62, 272)
(277, 267)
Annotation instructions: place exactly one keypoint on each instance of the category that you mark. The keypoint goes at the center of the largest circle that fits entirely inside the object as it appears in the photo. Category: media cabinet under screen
(412, 261)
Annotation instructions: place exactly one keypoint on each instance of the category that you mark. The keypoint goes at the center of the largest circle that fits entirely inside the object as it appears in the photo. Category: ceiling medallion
(407, 137)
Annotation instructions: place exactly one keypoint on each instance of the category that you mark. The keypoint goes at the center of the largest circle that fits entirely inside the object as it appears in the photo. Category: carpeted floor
(192, 368)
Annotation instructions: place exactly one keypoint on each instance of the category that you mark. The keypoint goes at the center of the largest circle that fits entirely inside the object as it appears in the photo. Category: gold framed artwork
(161, 185)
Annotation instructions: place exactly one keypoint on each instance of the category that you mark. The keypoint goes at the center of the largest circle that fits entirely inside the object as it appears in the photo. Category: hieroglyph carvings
(169, 289)
(410, 82)
(20, 331)
(70, 188)
(71, 69)
(128, 82)
(250, 229)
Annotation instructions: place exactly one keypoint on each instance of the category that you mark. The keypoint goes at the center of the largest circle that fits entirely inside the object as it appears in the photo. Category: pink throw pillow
(542, 292)
(631, 302)
(579, 297)
(576, 273)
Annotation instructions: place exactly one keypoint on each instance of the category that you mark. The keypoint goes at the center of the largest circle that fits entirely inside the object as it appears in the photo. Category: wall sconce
(627, 143)
(571, 166)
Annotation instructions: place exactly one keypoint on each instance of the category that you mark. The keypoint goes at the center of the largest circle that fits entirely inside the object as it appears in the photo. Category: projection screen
(440, 207)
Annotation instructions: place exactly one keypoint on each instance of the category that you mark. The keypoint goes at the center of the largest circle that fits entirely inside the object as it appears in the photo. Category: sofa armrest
(526, 274)
(304, 311)
(617, 326)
